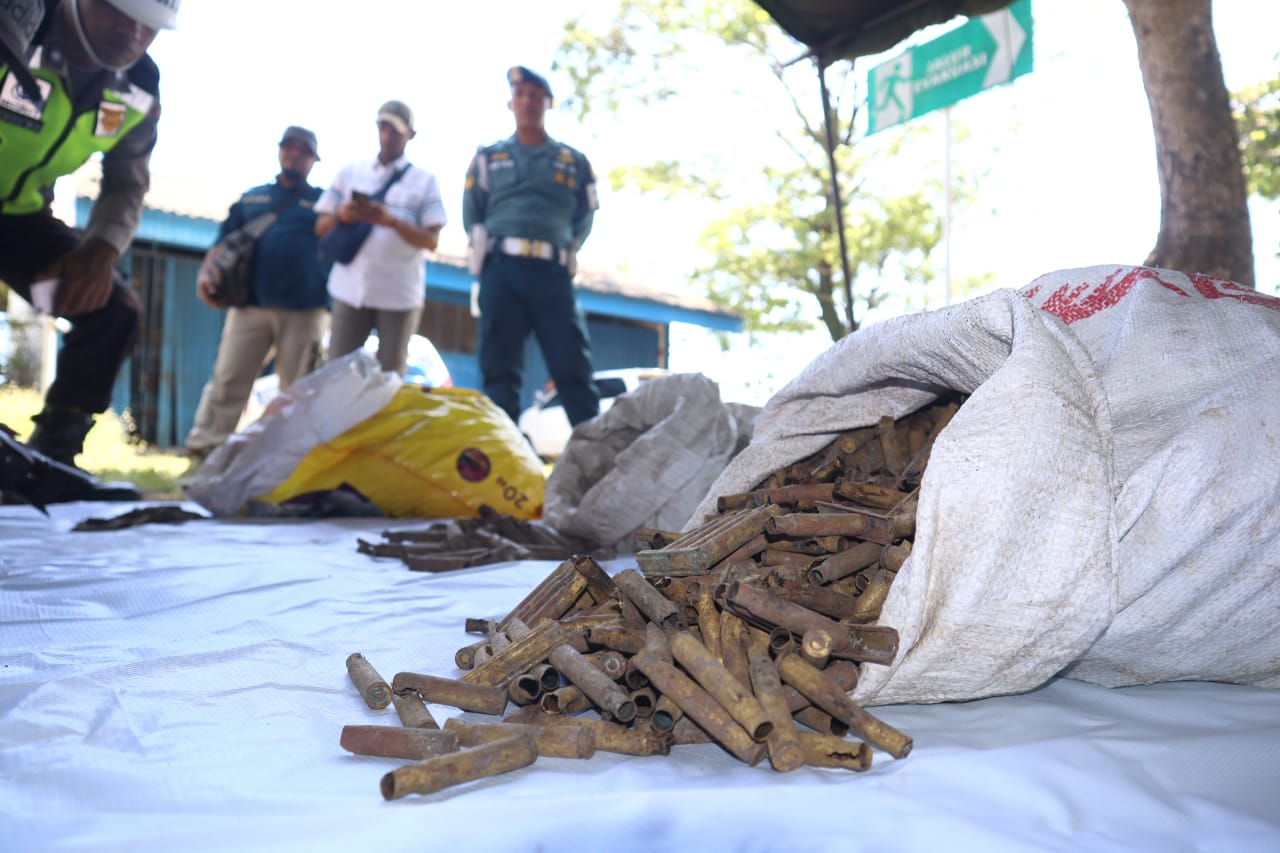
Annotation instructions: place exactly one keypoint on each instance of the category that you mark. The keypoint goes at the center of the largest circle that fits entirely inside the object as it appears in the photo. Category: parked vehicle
(425, 367)
(545, 423)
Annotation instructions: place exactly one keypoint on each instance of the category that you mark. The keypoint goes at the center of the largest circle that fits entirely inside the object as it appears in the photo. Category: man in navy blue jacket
(288, 308)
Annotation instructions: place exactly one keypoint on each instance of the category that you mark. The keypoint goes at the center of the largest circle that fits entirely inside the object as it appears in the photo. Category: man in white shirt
(383, 286)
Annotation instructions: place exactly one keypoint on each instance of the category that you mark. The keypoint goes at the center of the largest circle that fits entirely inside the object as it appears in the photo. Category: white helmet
(157, 14)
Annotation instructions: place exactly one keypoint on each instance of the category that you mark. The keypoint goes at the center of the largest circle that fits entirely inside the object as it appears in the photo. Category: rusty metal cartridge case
(913, 474)
(612, 737)
(892, 445)
(700, 549)
(869, 494)
(785, 752)
(820, 721)
(373, 689)
(790, 559)
(479, 626)
(666, 713)
(815, 647)
(600, 586)
(555, 741)
(396, 742)
(651, 538)
(800, 493)
(734, 696)
(481, 698)
(465, 657)
(608, 661)
(520, 656)
(708, 618)
(820, 599)
(634, 678)
(412, 712)
(597, 686)
(445, 771)
(656, 642)
(741, 501)
(647, 600)
(830, 751)
(564, 700)
(622, 638)
(645, 700)
(782, 641)
(747, 550)
(551, 598)
(686, 732)
(828, 696)
(855, 523)
(529, 686)
(697, 703)
(859, 642)
(871, 602)
(895, 556)
(843, 672)
(845, 563)
(733, 646)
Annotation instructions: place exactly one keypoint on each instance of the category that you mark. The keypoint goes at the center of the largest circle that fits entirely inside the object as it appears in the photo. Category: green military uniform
(537, 204)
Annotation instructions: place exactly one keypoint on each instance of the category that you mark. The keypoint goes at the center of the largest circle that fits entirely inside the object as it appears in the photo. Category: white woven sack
(318, 407)
(1080, 512)
(645, 462)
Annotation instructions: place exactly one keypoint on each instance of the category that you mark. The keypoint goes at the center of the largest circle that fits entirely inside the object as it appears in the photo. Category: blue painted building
(161, 384)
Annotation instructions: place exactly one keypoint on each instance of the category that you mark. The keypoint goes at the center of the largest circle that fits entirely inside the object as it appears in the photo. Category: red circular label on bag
(473, 465)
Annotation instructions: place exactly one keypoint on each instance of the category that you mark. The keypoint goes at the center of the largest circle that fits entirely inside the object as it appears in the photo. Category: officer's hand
(204, 282)
(373, 212)
(347, 212)
(85, 278)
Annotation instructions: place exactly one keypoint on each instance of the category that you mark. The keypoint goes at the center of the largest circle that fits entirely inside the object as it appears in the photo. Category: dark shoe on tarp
(60, 432)
(28, 476)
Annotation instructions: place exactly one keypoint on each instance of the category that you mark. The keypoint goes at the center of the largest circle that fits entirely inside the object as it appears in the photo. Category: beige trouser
(351, 327)
(250, 336)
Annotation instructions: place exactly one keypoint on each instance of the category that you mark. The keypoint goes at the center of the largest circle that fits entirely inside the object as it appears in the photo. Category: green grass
(109, 452)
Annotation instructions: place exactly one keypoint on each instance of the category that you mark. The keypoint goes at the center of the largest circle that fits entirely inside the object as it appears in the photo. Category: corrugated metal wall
(161, 383)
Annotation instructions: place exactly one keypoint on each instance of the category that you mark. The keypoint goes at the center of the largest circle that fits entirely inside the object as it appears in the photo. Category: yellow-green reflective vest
(41, 143)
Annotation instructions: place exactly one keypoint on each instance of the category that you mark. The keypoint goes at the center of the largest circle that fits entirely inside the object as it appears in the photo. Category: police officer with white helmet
(95, 91)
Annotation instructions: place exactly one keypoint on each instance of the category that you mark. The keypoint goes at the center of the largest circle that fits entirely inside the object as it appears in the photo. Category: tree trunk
(1204, 219)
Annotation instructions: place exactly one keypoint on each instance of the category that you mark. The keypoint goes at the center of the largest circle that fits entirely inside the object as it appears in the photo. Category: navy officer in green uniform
(528, 206)
(75, 80)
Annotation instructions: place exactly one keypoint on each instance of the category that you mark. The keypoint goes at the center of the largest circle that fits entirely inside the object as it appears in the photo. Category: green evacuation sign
(985, 52)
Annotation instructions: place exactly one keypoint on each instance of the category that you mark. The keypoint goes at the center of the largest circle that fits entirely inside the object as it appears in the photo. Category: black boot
(29, 476)
(59, 438)
(60, 432)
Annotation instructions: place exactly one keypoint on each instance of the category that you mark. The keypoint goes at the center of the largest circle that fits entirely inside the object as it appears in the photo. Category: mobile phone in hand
(359, 197)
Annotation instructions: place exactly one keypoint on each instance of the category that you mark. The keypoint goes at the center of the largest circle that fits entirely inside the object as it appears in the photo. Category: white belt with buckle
(527, 248)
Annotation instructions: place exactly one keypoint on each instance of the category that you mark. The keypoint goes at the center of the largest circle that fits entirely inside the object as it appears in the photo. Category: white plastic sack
(1106, 503)
(318, 407)
(646, 462)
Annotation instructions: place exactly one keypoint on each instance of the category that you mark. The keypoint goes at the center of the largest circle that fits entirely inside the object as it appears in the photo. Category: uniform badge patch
(17, 108)
(110, 118)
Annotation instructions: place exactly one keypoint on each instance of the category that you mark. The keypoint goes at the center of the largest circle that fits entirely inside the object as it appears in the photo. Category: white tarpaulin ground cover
(183, 688)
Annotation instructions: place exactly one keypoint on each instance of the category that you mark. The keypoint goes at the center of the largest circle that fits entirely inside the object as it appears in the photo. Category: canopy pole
(835, 192)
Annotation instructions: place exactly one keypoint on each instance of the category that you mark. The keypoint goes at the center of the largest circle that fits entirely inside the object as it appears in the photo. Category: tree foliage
(1257, 114)
(774, 249)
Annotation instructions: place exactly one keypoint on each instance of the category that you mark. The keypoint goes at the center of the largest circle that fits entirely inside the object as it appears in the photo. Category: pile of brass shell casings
(748, 632)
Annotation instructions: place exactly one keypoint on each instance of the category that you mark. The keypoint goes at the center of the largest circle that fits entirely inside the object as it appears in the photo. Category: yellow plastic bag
(430, 453)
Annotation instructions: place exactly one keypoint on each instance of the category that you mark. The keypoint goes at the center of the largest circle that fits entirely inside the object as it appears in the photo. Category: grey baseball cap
(293, 133)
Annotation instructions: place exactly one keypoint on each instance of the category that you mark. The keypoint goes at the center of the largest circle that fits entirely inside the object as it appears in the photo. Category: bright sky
(1065, 153)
